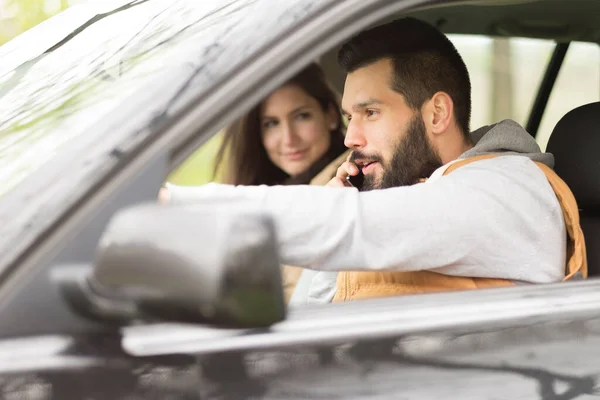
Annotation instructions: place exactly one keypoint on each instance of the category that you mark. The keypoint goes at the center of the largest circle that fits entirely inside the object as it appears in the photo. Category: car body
(100, 103)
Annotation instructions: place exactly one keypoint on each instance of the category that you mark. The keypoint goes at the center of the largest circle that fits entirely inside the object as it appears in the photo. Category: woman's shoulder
(329, 171)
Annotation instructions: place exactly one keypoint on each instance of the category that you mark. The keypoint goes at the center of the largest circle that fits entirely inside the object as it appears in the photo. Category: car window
(500, 89)
(578, 83)
(506, 75)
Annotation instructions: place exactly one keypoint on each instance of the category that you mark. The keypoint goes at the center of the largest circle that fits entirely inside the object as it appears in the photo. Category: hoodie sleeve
(478, 221)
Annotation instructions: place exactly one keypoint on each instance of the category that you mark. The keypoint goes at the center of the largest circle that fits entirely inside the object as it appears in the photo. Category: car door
(533, 343)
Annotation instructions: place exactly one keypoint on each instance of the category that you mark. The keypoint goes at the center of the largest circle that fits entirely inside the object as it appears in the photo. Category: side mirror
(208, 264)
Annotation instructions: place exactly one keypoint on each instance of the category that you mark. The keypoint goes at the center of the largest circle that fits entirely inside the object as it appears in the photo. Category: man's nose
(354, 136)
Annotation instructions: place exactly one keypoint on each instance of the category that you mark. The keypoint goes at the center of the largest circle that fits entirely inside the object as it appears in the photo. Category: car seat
(575, 143)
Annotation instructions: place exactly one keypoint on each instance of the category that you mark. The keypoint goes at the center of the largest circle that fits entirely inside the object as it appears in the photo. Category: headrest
(575, 143)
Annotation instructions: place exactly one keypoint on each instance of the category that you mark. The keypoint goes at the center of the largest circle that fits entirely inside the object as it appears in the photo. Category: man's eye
(371, 113)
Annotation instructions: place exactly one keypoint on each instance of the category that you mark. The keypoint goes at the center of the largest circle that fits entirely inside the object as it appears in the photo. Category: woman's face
(295, 129)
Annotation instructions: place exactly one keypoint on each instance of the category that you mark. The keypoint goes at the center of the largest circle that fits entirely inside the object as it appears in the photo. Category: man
(409, 110)
(492, 222)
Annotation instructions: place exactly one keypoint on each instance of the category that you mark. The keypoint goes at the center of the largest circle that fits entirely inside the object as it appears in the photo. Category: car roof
(557, 20)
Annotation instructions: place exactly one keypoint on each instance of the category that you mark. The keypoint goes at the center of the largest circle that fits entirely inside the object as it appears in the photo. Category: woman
(294, 137)
(289, 138)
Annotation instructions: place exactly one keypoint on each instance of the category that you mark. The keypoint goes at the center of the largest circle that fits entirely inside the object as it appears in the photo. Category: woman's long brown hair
(248, 162)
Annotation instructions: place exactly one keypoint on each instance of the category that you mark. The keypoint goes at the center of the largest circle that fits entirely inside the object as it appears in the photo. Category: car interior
(575, 139)
(560, 21)
(574, 143)
(561, 24)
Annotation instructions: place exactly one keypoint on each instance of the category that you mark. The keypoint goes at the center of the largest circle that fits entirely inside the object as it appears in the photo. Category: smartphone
(357, 180)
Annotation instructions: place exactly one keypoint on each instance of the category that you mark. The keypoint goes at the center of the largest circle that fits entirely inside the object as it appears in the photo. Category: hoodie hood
(507, 137)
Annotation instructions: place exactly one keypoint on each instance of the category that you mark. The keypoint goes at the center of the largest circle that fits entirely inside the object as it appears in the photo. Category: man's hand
(346, 169)
(164, 195)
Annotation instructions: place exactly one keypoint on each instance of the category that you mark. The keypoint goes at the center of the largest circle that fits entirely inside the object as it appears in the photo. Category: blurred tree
(17, 16)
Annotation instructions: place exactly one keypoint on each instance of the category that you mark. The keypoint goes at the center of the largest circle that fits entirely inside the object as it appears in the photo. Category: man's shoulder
(494, 161)
(518, 169)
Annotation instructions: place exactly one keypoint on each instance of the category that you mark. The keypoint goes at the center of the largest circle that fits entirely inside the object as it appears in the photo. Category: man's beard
(414, 159)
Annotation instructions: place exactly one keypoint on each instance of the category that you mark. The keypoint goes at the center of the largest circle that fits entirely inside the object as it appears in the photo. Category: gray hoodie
(506, 137)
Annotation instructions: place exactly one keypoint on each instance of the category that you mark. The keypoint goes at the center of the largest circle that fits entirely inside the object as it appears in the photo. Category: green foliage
(29, 13)
(198, 168)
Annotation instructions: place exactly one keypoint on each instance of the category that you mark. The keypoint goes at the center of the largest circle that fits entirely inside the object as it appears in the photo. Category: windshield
(91, 82)
(49, 99)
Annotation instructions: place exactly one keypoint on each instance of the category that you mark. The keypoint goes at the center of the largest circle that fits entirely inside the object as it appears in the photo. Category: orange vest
(353, 285)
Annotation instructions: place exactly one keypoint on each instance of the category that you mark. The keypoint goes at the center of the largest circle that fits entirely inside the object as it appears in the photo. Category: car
(99, 104)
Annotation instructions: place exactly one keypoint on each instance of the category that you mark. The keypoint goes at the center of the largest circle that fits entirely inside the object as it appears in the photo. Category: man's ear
(438, 113)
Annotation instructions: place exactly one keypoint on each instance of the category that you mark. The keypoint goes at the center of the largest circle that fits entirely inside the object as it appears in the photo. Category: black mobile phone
(357, 180)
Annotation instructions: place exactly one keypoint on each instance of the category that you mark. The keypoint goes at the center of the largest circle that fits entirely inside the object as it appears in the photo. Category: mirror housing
(209, 264)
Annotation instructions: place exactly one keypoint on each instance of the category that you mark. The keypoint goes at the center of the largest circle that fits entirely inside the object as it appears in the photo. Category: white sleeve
(477, 221)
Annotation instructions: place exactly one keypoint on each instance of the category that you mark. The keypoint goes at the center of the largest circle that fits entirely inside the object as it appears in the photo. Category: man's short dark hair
(425, 61)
